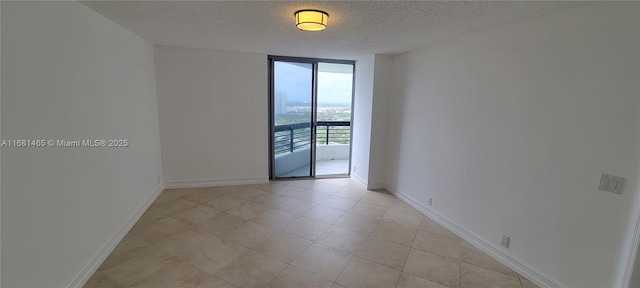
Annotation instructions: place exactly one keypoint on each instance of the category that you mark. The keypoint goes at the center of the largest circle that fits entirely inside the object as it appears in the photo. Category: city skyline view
(294, 79)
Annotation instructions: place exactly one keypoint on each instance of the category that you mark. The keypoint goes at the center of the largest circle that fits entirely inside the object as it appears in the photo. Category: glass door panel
(333, 130)
(293, 110)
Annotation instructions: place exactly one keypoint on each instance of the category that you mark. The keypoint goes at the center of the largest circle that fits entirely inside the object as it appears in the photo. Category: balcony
(292, 147)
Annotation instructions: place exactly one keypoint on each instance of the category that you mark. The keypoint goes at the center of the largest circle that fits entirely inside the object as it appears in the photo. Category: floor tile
(362, 273)
(248, 210)
(169, 208)
(252, 270)
(473, 255)
(221, 224)
(160, 229)
(410, 281)
(339, 202)
(313, 196)
(340, 182)
(296, 206)
(215, 282)
(208, 252)
(247, 193)
(323, 261)
(283, 246)
(287, 190)
(177, 275)
(399, 204)
(356, 185)
(384, 252)
(478, 277)
(293, 277)
(379, 198)
(527, 284)
(137, 265)
(324, 214)
(275, 218)
(101, 280)
(244, 236)
(150, 216)
(394, 233)
(128, 243)
(433, 267)
(307, 228)
(342, 239)
(172, 194)
(203, 195)
(303, 183)
(229, 188)
(196, 215)
(369, 210)
(273, 185)
(429, 225)
(249, 234)
(358, 223)
(225, 203)
(437, 244)
(351, 193)
(406, 218)
(269, 199)
(324, 187)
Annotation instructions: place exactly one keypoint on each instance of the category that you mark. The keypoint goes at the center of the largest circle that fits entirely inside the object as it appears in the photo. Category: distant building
(280, 103)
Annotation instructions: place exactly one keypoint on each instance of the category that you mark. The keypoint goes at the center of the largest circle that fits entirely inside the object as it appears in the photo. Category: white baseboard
(376, 186)
(84, 275)
(359, 179)
(633, 253)
(491, 249)
(213, 182)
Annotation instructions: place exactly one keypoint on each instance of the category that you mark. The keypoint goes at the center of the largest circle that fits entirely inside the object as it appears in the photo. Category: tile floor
(307, 233)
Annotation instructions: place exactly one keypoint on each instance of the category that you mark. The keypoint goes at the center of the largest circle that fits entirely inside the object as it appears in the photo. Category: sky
(295, 81)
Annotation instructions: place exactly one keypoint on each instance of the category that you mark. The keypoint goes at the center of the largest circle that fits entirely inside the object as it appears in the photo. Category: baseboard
(633, 252)
(376, 186)
(84, 275)
(359, 179)
(213, 182)
(492, 250)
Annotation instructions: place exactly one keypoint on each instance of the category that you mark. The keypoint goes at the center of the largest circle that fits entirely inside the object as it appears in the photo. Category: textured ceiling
(355, 27)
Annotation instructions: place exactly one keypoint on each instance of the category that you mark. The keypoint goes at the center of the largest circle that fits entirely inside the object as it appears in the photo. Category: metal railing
(292, 137)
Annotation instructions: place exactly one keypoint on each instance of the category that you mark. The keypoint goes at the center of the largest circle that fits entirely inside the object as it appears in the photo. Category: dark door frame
(314, 106)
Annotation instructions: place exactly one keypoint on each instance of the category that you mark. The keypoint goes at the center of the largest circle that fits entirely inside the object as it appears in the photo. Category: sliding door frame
(314, 109)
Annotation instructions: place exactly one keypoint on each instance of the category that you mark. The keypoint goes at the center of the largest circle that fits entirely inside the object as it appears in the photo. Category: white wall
(379, 120)
(213, 110)
(508, 130)
(362, 109)
(633, 217)
(0, 150)
(69, 73)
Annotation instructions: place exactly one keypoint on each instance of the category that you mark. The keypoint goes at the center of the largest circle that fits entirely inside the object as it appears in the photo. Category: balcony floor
(325, 167)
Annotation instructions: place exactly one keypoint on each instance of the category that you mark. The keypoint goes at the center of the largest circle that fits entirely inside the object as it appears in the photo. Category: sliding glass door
(310, 117)
(333, 125)
(292, 118)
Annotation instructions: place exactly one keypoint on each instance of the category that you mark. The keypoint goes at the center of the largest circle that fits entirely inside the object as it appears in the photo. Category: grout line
(345, 268)
(331, 225)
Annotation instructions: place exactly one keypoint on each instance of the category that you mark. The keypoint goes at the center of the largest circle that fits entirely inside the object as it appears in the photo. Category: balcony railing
(292, 137)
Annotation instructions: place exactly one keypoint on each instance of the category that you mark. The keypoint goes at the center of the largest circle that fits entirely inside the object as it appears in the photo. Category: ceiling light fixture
(311, 20)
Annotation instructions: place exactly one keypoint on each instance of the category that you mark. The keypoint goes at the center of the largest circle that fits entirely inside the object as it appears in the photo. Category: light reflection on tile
(311, 233)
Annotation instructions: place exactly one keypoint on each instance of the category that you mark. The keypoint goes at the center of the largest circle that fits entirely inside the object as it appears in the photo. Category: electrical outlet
(429, 201)
(504, 241)
(354, 169)
(158, 179)
(611, 183)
